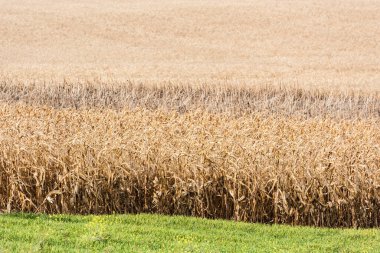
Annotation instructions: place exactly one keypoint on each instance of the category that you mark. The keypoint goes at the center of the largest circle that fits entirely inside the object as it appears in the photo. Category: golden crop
(323, 172)
(264, 111)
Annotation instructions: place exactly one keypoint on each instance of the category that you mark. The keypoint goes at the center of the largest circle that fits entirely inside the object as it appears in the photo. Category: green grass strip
(155, 233)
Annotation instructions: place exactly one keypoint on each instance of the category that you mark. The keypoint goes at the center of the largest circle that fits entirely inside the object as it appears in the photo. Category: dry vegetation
(313, 43)
(252, 168)
(304, 103)
(260, 111)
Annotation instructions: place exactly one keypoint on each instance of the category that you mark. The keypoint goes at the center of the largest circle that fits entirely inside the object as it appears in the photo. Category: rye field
(255, 111)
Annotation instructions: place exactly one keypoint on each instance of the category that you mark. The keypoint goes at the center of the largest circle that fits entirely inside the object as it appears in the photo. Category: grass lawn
(155, 233)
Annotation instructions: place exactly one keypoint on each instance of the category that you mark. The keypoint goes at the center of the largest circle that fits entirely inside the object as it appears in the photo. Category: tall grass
(253, 167)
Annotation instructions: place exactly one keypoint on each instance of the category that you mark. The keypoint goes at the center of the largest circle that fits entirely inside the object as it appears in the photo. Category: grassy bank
(154, 233)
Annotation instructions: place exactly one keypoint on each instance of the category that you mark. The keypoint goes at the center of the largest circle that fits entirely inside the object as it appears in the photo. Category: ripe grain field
(262, 112)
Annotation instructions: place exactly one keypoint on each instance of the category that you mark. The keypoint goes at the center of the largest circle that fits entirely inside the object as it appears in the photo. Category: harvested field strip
(304, 103)
(323, 172)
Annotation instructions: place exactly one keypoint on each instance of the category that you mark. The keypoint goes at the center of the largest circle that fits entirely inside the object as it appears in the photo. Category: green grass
(155, 233)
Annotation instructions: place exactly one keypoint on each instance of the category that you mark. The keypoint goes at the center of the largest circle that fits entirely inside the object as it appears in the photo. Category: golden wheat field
(259, 111)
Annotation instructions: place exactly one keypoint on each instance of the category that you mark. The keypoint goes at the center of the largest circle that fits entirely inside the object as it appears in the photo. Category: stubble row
(236, 99)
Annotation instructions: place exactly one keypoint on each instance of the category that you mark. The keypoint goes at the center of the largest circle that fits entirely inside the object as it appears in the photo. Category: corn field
(259, 111)
(253, 167)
